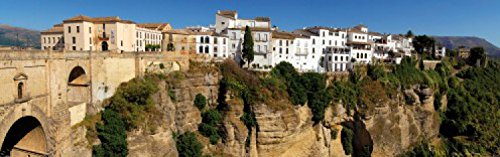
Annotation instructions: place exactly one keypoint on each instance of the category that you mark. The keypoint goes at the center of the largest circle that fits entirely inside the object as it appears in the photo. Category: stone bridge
(44, 93)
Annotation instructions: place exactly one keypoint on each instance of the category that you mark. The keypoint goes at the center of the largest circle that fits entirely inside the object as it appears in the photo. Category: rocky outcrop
(395, 129)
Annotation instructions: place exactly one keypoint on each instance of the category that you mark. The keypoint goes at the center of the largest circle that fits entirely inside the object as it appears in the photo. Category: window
(104, 26)
(50, 41)
(222, 23)
(44, 40)
(74, 48)
(207, 50)
(323, 42)
(90, 30)
(77, 29)
(69, 29)
(281, 42)
(201, 39)
(314, 50)
(234, 35)
(330, 42)
(314, 41)
(215, 40)
(224, 41)
(281, 51)
(286, 50)
(335, 42)
(207, 40)
(215, 48)
(121, 42)
(265, 37)
(200, 49)
(90, 41)
(335, 58)
(20, 88)
(74, 40)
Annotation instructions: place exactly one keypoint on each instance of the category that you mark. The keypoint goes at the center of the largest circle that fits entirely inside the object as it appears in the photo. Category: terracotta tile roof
(283, 35)
(227, 13)
(305, 33)
(375, 33)
(258, 29)
(57, 29)
(263, 19)
(179, 31)
(360, 26)
(156, 26)
(355, 30)
(80, 18)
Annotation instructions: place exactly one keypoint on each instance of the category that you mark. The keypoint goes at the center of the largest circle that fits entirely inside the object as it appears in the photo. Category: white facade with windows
(338, 59)
(212, 44)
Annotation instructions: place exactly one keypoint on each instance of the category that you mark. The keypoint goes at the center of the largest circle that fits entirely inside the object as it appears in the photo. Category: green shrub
(209, 127)
(200, 101)
(172, 95)
(112, 134)
(188, 145)
(346, 137)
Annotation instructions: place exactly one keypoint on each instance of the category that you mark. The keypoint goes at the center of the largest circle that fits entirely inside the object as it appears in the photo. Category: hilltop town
(309, 49)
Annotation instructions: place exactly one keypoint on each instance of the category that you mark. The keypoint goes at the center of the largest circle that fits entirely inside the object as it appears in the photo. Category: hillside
(27, 37)
(452, 42)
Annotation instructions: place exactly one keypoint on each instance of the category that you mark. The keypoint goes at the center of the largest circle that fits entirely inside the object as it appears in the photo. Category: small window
(69, 29)
(20, 87)
(77, 29)
(90, 30)
(74, 40)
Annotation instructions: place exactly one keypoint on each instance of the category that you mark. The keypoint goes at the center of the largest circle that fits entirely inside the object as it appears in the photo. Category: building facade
(83, 33)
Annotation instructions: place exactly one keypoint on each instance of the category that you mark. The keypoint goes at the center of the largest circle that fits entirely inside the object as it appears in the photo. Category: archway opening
(104, 46)
(77, 86)
(77, 77)
(25, 138)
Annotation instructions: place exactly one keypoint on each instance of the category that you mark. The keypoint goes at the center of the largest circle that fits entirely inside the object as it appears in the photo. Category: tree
(346, 139)
(112, 134)
(477, 53)
(423, 43)
(200, 101)
(409, 34)
(188, 145)
(248, 53)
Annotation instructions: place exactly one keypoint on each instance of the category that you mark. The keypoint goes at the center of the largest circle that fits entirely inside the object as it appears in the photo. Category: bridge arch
(78, 82)
(23, 132)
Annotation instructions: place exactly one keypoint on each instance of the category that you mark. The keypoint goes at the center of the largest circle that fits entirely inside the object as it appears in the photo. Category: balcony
(103, 36)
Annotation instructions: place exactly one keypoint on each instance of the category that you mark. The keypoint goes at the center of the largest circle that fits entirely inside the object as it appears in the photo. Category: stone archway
(25, 137)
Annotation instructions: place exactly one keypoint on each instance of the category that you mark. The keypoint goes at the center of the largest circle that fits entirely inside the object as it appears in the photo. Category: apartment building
(229, 24)
(179, 40)
(52, 39)
(211, 44)
(83, 33)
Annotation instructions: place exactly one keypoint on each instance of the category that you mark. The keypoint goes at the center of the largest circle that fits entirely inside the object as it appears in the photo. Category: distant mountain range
(453, 42)
(28, 38)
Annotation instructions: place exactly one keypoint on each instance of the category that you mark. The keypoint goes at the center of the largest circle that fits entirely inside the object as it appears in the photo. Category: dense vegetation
(188, 146)
(127, 109)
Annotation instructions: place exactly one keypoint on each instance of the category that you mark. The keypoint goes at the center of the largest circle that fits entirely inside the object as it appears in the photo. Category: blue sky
(435, 17)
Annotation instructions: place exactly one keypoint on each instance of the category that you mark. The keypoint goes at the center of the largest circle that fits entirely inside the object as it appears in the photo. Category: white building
(53, 39)
(228, 23)
(338, 59)
(211, 44)
(360, 45)
(320, 38)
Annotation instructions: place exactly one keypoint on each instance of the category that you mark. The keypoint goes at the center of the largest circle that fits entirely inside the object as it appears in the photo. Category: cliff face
(287, 131)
